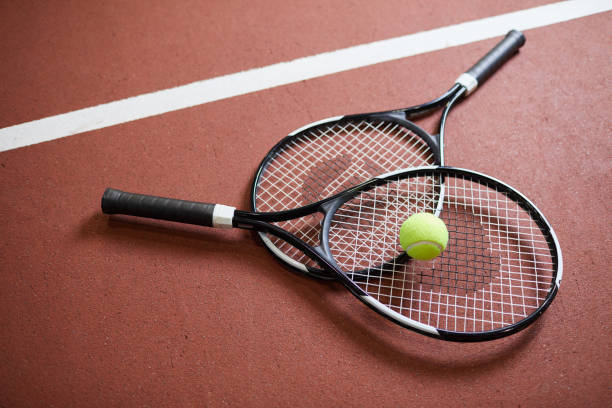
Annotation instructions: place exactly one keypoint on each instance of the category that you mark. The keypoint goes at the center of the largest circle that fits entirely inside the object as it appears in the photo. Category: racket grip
(168, 209)
(501, 53)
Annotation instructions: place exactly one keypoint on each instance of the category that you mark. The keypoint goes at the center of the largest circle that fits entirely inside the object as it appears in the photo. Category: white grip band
(469, 82)
(223, 216)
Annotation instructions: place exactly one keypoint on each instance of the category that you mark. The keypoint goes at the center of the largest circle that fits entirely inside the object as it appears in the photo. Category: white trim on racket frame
(319, 122)
(560, 258)
(385, 310)
(266, 240)
(394, 172)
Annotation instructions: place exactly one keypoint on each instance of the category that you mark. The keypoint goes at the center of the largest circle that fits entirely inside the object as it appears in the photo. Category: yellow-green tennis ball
(423, 236)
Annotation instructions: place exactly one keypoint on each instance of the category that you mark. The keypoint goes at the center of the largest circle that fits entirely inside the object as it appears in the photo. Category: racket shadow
(413, 353)
(172, 238)
(166, 238)
(372, 335)
(351, 322)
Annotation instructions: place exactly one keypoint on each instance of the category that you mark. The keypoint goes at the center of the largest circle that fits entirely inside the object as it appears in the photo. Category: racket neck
(418, 111)
(460, 92)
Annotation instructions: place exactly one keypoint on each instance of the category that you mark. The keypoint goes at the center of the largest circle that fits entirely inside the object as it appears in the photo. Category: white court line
(240, 83)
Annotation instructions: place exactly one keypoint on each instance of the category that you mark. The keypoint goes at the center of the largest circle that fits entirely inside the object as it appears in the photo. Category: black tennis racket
(326, 157)
(501, 269)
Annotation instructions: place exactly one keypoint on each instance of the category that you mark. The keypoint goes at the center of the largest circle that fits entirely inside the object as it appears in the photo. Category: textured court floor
(123, 312)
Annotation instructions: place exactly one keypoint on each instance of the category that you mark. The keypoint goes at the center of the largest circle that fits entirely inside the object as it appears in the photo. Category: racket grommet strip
(468, 82)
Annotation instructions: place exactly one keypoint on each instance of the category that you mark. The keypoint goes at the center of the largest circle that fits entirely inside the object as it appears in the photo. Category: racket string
(496, 269)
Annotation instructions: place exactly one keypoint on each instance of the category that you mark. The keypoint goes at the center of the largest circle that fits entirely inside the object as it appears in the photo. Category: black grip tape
(160, 208)
(501, 53)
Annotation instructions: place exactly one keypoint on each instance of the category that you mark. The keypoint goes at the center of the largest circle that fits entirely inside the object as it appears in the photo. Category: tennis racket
(326, 157)
(501, 269)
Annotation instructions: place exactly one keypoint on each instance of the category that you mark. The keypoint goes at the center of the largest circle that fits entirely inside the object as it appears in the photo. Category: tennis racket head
(500, 270)
(327, 157)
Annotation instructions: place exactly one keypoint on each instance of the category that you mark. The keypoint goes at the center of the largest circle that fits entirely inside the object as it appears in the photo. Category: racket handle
(168, 209)
(488, 64)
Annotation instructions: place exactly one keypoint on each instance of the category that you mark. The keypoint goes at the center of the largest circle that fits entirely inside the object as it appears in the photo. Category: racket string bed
(495, 271)
(329, 159)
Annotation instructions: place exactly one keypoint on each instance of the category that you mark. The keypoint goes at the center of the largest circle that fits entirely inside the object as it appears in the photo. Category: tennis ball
(423, 236)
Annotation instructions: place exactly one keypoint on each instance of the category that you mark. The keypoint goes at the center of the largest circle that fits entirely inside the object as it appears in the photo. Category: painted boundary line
(257, 79)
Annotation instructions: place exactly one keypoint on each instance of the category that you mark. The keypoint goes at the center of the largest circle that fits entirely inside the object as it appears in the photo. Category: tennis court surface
(184, 100)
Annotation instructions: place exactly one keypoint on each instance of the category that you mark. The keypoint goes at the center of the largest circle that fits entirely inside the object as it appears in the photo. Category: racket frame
(117, 202)
(322, 254)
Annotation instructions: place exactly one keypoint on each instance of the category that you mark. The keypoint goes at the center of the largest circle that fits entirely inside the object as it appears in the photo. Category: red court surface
(115, 311)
